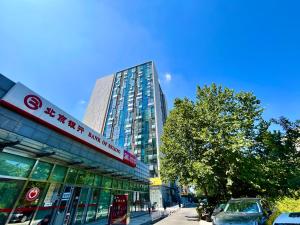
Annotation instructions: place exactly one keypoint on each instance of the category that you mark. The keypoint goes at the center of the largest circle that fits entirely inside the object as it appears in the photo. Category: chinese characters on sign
(25, 101)
(119, 213)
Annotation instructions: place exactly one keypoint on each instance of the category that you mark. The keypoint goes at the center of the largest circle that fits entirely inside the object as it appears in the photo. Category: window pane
(115, 184)
(97, 181)
(42, 171)
(85, 178)
(13, 165)
(59, 173)
(106, 182)
(48, 205)
(81, 205)
(9, 189)
(120, 184)
(81, 177)
(28, 202)
(91, 212)
(72, 175)
(104, 203)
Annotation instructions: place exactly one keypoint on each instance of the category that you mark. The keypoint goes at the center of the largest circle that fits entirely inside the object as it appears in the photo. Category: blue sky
(60, 47)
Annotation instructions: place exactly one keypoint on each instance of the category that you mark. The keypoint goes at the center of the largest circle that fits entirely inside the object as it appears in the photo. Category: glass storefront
(37, 192)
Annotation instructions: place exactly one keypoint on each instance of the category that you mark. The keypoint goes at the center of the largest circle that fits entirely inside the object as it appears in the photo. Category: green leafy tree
(280, 159)
(210, 142)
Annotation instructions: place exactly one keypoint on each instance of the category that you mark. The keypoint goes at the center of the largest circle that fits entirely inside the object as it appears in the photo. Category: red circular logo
(32, 194)
(33, 102)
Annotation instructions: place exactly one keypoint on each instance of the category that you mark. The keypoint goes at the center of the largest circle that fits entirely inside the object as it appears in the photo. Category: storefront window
(59, 173)
(28, 202)
(46, 209)
(42, 171)
(85, 178)
(114, 184)
(125, 185)
(81, 205)
(9, 189)
(106, 182)
(120, 184)
(81, 177)
(72, 175)
(16, 166)
(103, 204)
(97, 181)
(91, 212)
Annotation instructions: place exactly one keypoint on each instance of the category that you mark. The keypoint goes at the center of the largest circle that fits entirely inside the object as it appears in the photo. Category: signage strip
(24, 101)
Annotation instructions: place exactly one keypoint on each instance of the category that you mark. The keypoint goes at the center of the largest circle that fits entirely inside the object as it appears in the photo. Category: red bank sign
(25, 101)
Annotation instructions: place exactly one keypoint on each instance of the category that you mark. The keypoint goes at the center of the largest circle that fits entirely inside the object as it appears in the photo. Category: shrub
(284, 205)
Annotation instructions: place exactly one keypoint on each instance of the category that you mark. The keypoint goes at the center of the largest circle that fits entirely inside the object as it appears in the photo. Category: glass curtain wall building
(132, 115)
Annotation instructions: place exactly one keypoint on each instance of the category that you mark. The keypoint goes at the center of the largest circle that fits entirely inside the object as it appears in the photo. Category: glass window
(59, 173)
(81, 177)
(48, 205)
(9, 189)
(91, 212)
(85, 178)
(28, 202)
(115, 184)
(125, 185)
(14, 165)
(120, 184)
(103, 203)
(97, 181)
(106, 182)
(72, 175)
(42, 171)
(81, 205)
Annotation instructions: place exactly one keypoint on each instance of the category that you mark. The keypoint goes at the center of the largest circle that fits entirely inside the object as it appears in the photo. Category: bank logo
(32, 194)
(33, 102)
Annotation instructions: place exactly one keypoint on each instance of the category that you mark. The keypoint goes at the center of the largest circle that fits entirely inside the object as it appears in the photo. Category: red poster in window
(119, 210)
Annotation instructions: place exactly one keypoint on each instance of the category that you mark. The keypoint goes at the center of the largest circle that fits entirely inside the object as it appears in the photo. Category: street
(183, 216)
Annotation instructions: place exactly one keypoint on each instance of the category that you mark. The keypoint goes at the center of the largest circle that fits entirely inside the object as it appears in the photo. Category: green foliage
(221, 144)
(284, 205)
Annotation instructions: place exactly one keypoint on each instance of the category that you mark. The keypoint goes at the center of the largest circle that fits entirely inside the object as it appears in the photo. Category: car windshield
(242, 206)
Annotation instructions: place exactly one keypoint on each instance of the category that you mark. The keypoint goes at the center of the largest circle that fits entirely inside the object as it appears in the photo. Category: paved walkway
(184, 216)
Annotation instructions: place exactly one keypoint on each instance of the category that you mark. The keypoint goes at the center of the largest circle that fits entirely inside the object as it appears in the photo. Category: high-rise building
(129, 108)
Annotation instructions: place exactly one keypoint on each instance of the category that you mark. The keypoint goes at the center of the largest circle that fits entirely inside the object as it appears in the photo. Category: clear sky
(60, 47)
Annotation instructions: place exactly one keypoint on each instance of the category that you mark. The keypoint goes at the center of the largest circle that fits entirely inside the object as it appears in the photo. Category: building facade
(55, 168)
(132, 115)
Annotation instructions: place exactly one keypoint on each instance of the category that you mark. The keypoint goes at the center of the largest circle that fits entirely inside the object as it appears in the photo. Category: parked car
(288, 218)
(208, 211)
(219, 208)
(240, 211)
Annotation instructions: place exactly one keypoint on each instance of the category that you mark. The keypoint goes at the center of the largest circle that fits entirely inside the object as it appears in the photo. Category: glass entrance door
(61, 216)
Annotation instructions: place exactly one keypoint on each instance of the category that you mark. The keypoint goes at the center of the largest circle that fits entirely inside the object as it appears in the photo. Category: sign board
(66, 195)
(32, 194)
(155, 181)
(24, 100)
(119, 211)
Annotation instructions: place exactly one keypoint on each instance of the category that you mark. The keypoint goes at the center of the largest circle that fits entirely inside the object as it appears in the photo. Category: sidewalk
(143, 218)
(161, 213)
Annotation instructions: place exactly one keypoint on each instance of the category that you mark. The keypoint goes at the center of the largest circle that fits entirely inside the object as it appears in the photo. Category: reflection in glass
(50, 201)
(14, 165)
(59, 173)
(9, 189)
(42, 171)
(28, 203)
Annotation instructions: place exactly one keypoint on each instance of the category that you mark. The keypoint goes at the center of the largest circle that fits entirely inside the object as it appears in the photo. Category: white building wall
(99, 101)
(158, 114)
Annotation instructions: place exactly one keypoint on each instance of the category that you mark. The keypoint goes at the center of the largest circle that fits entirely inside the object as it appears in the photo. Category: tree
(209, 142)
(281, 158)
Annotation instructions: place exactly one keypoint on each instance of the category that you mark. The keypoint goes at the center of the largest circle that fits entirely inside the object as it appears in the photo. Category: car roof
(286, 218)
(245, 199)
